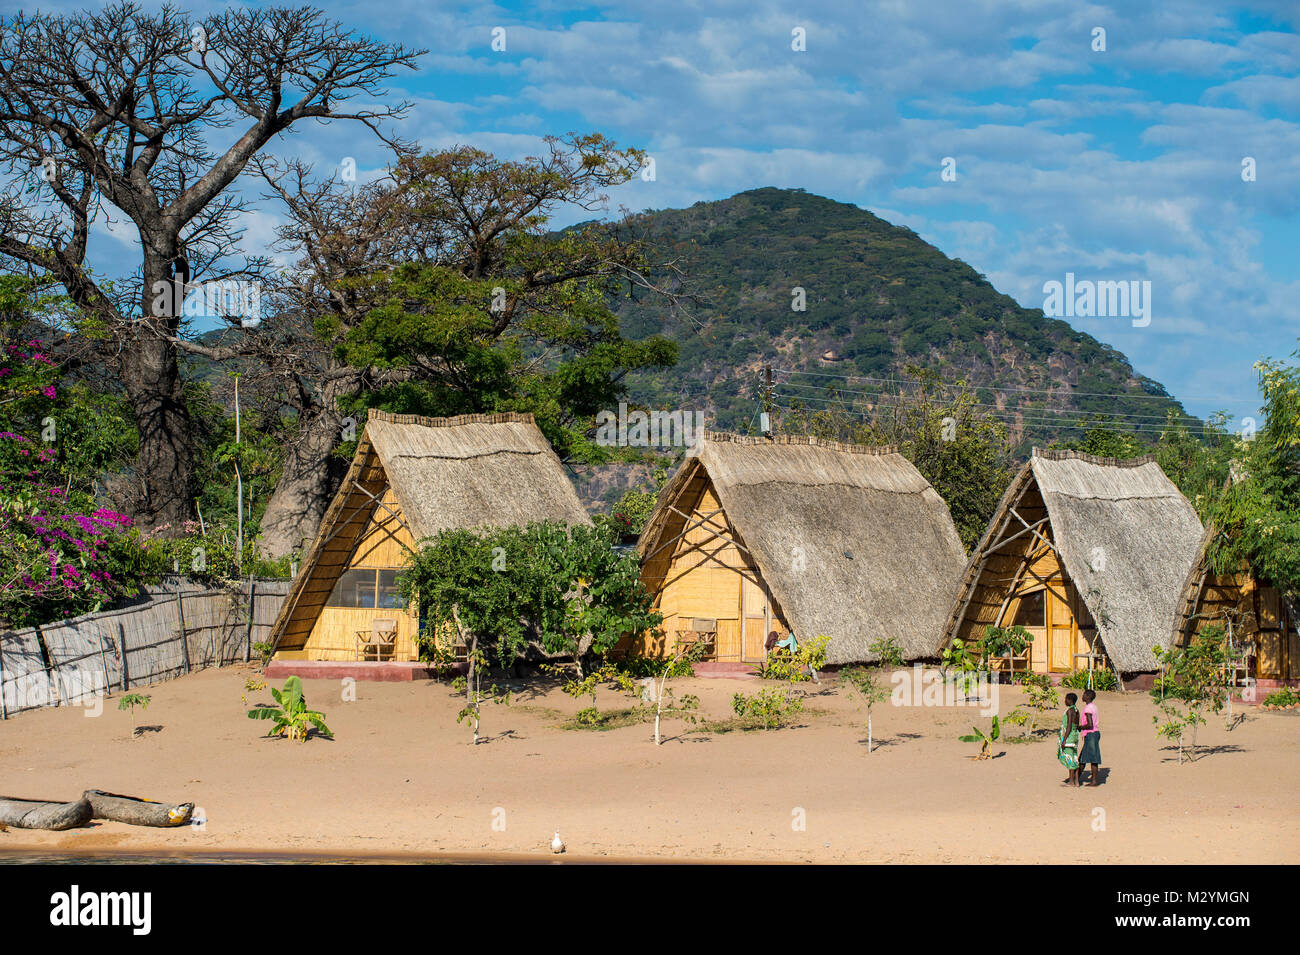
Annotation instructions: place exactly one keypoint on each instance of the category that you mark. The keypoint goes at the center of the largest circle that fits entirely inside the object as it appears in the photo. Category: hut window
(356, 588)
(1032, 610)
(389, 598)
(367, 587)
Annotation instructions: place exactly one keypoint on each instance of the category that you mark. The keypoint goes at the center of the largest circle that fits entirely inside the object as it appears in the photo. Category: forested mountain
(878, 298)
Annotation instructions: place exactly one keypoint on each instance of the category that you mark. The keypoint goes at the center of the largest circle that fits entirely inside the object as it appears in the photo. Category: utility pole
(239, 491)
(765, 407)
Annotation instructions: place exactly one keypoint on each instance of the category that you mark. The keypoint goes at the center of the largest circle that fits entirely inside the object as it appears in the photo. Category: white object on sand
(557, 846)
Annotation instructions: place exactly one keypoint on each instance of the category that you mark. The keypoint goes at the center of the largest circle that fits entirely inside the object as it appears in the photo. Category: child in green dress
(1067, 748)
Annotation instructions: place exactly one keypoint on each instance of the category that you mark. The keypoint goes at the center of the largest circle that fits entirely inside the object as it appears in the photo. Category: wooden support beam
(365, 508)
(1020, 572)
(712, 556)
(1035, 532)
(973, 585)
(1017, 535)
(703, 522)
(391, 513)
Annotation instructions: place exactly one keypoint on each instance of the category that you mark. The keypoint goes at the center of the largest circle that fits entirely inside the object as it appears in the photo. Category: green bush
(794, 668)
(1282, 698)
(638, 668)
(1101, 680)
(769, 708)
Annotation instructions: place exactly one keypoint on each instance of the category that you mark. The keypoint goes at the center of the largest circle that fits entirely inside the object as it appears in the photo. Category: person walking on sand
(1067, 740)
(1090, 733)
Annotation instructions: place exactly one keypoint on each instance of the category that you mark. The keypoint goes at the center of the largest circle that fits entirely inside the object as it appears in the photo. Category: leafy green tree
(864, 683)
(630, 513)
(500, 592)
(443, 290)
(1102, 439)
(463, 598)
(1198, 464)
(1193, 680)
(1259, 513)
(581, 594)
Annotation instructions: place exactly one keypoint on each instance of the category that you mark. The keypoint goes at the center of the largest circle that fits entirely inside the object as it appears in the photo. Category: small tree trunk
(868, 731)
(659, 704)
(472, 686)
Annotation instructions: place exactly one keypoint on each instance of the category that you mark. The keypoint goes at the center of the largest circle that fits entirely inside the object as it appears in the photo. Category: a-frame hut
(1252, 612)
(755, 534)
(1089, 555)
(410, 478)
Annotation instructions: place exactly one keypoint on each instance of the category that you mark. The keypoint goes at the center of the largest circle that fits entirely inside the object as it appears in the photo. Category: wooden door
(1061, 628)
(756, 618)
(1029, 610)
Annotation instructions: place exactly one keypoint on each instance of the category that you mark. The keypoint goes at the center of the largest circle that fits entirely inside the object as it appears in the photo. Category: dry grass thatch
(471, 471)
(1126, 537)
(852, 542)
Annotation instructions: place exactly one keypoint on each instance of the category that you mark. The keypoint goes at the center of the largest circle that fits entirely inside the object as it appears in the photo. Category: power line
(1072, 419)
(870, 394)
(1043, 391)
(1066, 424)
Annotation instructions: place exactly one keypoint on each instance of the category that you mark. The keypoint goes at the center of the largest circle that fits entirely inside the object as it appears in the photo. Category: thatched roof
(1126, 537)
(880, 552)
(471, 471)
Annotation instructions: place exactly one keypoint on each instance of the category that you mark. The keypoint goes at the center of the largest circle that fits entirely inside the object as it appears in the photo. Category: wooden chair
(381, 639)
(702, 630)
(1011, 665)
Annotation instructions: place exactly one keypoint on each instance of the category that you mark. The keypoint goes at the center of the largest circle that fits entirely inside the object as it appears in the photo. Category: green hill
(878, 298)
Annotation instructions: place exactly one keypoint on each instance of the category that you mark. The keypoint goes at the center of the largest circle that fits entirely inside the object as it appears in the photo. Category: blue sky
(1122, 164)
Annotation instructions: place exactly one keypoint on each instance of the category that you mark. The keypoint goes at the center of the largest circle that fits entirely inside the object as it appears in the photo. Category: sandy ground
(402, 777)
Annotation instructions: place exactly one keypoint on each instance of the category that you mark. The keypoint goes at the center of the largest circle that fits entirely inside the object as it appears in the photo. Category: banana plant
(292, 718)
(986, 740)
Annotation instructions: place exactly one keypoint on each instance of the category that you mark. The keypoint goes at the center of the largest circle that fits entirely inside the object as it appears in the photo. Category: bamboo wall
(144, 642)
(1257, 615)
(384, 544)
(702, 575)
(1018, 568)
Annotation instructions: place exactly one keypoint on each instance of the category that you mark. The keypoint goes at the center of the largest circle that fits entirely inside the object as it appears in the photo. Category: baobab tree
(442, 289)
(114, 113)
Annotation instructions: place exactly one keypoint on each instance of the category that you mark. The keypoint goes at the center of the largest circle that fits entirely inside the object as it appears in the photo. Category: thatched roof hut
(762, 533)
(1253, 612)
(410, 478)
(1090, 551)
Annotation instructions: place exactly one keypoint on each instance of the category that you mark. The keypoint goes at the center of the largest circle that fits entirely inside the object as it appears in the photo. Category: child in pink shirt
(1090, 735)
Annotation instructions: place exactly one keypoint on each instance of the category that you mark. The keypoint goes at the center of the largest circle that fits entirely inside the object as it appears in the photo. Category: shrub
(56, 564)
(1282, 699)
(1102, 679)
(794, 668)
(638, 668)
(1006, 641)
(291, 716)
(768, 708)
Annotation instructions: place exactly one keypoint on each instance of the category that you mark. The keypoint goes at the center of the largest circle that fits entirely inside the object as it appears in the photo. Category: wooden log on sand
(137, 812)
(41, 814)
